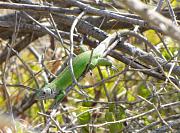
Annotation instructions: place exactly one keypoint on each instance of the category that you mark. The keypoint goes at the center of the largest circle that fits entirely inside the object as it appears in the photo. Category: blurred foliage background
(122, 100)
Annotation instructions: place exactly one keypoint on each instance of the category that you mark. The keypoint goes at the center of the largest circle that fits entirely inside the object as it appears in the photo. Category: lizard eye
(47, 91)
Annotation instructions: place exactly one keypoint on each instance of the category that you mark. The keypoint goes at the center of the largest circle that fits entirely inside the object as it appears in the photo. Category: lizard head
(45, 93)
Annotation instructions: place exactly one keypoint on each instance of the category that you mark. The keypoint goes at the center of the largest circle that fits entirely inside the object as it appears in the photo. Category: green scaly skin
(58, 86)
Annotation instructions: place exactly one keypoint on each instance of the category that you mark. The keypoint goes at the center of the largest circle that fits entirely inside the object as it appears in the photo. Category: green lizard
(57, 88)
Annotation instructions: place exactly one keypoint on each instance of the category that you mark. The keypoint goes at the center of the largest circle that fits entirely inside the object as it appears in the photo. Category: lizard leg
(60, 96)
(104, 62)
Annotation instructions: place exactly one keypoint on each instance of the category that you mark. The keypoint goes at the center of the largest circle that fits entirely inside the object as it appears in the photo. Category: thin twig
(165, 106)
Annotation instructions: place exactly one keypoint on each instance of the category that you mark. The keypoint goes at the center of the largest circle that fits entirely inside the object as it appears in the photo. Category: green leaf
(143, 91)
(115, 127)
(87, 104)
(152, 36)
(115, 113)
(84, 118)
(130, 96)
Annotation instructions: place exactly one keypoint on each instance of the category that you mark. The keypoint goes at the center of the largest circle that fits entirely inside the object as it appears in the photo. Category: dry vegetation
(141, 95)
